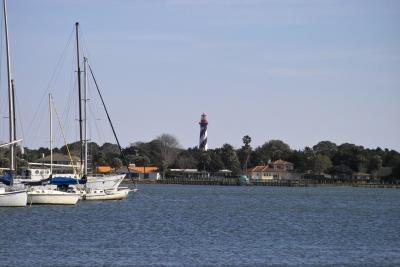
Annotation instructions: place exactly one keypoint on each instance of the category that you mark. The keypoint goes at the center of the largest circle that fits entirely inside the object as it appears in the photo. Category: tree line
(165, 152)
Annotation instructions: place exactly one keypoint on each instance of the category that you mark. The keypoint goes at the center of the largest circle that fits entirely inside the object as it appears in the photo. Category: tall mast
(51, 135)
(85, 170)
(10, 93)
(109, 120)
(79, 93)
(14, 125)
(13, 104)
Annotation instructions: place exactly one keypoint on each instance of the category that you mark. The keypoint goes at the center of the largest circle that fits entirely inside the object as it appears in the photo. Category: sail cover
(60, 180)
(6, 178)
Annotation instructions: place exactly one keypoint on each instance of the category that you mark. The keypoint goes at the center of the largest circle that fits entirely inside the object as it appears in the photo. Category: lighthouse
(203, 132)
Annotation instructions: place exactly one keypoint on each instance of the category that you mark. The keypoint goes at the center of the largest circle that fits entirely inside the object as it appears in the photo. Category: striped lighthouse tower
(203, 132)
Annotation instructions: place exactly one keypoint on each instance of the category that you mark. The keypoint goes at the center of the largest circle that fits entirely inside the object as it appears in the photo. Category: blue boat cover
(6, 178)
(60, 180)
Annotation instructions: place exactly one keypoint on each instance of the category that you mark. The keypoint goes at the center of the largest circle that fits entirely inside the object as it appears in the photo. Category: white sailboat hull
(104, 182)
(13, 198)
(115, 194)
(52, 197)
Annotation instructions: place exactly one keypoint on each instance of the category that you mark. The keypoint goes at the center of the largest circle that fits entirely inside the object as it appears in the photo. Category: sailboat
(50, 194)
(96, 187)
(10, 195)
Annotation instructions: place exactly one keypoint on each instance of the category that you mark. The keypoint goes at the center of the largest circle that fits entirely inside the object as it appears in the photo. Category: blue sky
(299, 71)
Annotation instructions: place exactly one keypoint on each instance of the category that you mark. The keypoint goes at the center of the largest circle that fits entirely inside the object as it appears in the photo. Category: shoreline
(279, 183)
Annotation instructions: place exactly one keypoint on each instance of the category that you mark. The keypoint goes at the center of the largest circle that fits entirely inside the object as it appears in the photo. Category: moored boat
(106, 182)
(12, 198)
(114, 194)
(96, 187)
(42, 195)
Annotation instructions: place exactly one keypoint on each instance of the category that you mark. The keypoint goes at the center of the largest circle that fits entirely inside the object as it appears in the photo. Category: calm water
(172, 225)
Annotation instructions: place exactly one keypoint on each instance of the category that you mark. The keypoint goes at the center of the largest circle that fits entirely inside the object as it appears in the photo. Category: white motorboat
(12, 198)
(114, 194)
(106, 182)
(42, 195)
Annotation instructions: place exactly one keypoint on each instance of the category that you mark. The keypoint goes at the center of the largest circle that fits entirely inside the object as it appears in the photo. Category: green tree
(216, 162)
(274, 150)
(391, 159)
(186, 160)
(230, 159)
(245, 152)
(246, 141)
(298, 158)
(4, 162)
(205, 160)
(109, 148)
(116, 163)
(169, 147)
(374, 163)
(321, 163)
(396, 172)
(350, 155)
(341, 171)
(308, 158)
(257, 158)
(326, 148)
(74, 148)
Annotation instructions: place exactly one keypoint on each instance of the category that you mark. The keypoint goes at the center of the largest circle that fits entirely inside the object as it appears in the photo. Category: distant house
(104, 169)
(264, 172)
(281, 165)
(141, 172)
(145, 172)
(382, 172)
(279, 169)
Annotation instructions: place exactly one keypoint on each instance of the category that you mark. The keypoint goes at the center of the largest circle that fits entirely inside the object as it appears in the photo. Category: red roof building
(279, 169)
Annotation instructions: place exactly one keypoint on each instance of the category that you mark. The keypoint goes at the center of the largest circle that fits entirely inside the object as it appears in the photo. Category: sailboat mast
(13, 104)
(109, 120)
(51, 135)
(85, 140)
(13, 121)
(10, 93)
(79, 94)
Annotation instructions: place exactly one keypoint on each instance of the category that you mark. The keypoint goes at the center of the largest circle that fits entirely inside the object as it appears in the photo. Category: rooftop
(280, 161)
(265, 168)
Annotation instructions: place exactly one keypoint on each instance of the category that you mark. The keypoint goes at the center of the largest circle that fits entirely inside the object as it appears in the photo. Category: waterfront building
(276, 170)
(137, 172)
(282, 165)
(145, 172)
(104, 169)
